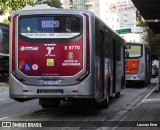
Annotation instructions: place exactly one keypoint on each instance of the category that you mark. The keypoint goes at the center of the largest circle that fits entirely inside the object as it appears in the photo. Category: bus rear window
(50, 26)
(133, 51)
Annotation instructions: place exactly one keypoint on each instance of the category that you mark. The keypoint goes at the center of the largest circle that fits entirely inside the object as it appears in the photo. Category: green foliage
(6, 21)
(152, 39)
(53, 3)
(154, 42)
(13, 5)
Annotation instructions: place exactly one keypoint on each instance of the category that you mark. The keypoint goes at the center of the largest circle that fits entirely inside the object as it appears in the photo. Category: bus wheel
(122, 83)
(149, 81)
(118, 94)
(144, 83)
(49, 103)
(105, 103)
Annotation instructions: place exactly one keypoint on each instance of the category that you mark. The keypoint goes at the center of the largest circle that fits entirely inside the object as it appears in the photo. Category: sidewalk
(146, 115)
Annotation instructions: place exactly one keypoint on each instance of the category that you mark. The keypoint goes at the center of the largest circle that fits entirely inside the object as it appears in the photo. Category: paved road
(130, 99)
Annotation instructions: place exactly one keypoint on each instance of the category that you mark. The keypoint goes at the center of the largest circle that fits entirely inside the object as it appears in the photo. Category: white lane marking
(150, 92)
(2, 99)
(3, 118)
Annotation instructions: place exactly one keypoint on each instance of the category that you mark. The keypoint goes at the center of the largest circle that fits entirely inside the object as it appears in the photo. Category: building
(67, 4)
(78, 4)
(117, 14)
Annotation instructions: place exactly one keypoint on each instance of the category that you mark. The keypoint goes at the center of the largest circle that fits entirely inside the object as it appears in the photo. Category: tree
(13, 5)
(53, 3)
(152, 39)
(6, 21)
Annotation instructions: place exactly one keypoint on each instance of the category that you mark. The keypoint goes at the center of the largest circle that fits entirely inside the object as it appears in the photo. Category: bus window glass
(50, 27)
(133, 51)
(1, 35)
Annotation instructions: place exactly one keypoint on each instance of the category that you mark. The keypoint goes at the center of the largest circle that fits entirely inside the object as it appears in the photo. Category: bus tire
(144, 83)
(105, 103)
(49, 103)
(122, 83)
(118, 94)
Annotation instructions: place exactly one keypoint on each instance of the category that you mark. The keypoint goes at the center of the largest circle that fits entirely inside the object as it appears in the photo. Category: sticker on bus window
(50, 49)
(23, 48)
(71, 63)
(50, 35)
(50, 62)
(27, 67)
(70, 56)
(35, 67)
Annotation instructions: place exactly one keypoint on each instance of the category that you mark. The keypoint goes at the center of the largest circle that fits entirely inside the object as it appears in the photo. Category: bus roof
(59, 10)
(50, 11)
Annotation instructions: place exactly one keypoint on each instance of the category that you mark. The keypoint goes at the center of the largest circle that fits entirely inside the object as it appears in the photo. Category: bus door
(114, 67)
(102, 70)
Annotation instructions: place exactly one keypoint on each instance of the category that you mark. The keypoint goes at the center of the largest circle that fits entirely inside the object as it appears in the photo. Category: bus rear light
(87, 51)
(17, 76)
(83, 76)
(87, 45)
(13, 42)
(75, 91)
(142, 67)
(25, 91)
(13, 48)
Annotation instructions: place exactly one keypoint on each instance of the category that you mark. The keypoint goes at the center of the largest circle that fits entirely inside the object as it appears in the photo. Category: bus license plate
(50, 82)
(50, 91)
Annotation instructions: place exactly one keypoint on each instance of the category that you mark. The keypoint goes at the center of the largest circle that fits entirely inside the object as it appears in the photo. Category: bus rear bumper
(135, 77)
(84, 89)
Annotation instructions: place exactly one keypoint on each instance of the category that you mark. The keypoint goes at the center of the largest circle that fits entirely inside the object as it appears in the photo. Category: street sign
(123, 31)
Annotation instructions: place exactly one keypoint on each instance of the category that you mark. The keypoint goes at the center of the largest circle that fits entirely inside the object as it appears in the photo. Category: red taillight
(75, 91)
(87, 51)
(17, 76)
(142, 67)
(83, 76)
(13, 48)
(25, 91)
(13, 42)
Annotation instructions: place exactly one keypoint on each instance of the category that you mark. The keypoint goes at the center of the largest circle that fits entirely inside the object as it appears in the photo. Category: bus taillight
(13, 42)
(83, 76)
(17, 76)
(13, 48)
(87, 51)
(142, 67)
